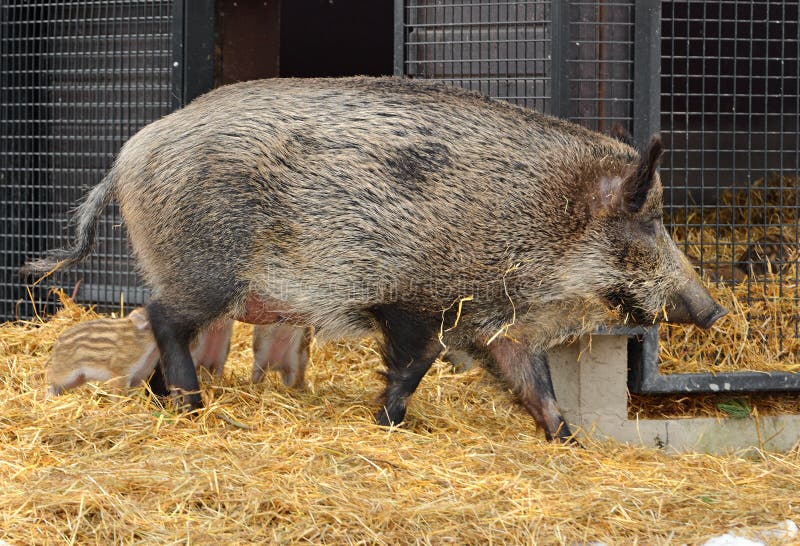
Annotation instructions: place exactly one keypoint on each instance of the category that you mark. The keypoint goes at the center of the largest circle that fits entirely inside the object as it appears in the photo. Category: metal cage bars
(77, 79)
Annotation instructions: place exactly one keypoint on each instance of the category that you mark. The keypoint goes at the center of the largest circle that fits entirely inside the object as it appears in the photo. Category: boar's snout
(694, 305)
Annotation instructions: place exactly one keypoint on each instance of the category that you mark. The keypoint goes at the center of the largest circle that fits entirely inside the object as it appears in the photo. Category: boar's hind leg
(527, 373)
(409, 348)
(174, 333)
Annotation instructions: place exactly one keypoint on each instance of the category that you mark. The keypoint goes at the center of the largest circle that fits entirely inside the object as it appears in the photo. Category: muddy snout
(694, 305)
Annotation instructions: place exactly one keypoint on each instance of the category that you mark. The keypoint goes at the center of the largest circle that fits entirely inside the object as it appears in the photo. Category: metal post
(198, 53)
(646, 122)
(646, 71)
(177, 54)
(559, 55)
(399, 38)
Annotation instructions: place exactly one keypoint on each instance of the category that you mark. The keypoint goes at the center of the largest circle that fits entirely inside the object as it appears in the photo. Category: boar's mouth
(621, 298)
(692, 306)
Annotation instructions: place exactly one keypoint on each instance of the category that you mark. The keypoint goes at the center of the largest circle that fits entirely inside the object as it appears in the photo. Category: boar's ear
(139, 319)
(619, 132)
(638, 184)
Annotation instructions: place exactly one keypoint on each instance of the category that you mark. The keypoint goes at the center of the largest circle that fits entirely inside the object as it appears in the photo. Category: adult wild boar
(430, 215)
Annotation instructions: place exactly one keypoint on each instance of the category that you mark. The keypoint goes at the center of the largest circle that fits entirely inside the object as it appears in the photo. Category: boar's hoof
(569, 439)
(187, 402)
(563, 435)
(385, 418)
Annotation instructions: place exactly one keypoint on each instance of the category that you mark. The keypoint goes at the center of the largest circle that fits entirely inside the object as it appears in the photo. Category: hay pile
(468, 467)
(762, 334)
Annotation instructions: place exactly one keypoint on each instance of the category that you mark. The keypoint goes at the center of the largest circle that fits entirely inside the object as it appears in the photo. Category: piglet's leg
(282, 348)
(77, 377)
(527, 373)
(211, 347)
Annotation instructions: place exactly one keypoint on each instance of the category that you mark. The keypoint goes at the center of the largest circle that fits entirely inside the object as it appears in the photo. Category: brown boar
(320, 202)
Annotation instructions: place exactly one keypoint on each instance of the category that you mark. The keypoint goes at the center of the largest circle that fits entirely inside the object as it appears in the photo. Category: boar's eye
(651, 225)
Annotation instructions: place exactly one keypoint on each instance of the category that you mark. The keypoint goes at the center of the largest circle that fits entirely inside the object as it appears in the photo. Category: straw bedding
(468, 467)
(719, 406)
(759, 335)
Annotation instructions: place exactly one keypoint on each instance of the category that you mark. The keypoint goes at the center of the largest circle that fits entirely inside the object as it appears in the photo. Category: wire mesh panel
(500, 48)
(76, 80)
(730, 114)
(505, 49)
(600, 64)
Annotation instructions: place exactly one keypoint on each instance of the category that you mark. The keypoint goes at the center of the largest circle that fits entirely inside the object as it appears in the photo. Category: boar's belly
(266, 310)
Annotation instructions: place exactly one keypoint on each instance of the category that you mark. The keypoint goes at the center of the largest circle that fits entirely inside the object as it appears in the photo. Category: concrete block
(565, 372)
(590, 380)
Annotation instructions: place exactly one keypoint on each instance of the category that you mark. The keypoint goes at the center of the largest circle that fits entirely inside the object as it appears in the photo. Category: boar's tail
(85, 219)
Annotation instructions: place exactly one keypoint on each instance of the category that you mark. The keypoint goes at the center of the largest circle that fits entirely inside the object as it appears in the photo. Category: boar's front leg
(409, 348)
(174, 333)
(527, 373)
